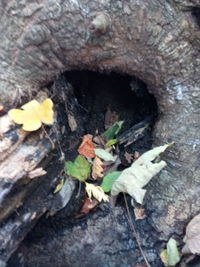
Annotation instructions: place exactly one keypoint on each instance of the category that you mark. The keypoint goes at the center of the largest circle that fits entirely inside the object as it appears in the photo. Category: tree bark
(157, 41)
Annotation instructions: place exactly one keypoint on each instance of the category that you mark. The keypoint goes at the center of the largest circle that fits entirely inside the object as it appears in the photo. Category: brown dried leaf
(97, 169)
(72, 122)
(128, 157)
(110, 118)
(99, 140)
(87, 147)
(136, 155)
(88, 205)
(139, 214)
(192, 237)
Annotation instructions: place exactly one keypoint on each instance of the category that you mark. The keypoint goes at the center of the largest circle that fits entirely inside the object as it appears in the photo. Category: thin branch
(79, 190)
(135, 234)
(51, 141)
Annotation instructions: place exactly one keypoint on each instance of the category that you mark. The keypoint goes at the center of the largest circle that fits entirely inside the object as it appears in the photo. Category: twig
(135, 234)
(62, 154)
(79, 190)
(51, 141)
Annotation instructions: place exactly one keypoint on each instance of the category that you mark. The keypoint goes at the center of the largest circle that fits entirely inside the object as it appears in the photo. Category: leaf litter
(88, 205)
(131, 180)
(139, 214)
(103, 154)
(113, 130)
(87, 147)
(192, 237)
(79, 169)
(170, 256)
(104, 176)
(96, 191)
(97, 169)
(104, 168)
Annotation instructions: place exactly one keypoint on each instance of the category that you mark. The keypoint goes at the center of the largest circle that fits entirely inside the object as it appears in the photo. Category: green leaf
(173, 255)
(111, 142)
(59, 186)
(113, 130)
(103, 154)
(79, 169)
(108, 181)
(134, 178)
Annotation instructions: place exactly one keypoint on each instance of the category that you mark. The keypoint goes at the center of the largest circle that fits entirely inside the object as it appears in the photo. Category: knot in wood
(100, 23)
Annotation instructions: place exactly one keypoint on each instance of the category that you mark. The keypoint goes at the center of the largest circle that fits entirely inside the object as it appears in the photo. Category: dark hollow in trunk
(97, 94)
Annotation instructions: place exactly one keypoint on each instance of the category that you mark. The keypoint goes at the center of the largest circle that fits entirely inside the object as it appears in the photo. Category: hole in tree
(98, 95)
(111, 97)
(196, 15)
(104, 99)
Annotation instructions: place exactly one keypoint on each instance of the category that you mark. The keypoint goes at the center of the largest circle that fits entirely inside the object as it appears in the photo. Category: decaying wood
(24, 195)
(39, 199)
(10, 137)
(135, 133)
(18, 159)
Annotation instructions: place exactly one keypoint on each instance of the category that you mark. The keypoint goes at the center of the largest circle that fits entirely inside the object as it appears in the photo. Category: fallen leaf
(136, 155)
(108, 180)
(163, 257)
(88, 205)
(33, 114)
(97, 169)
(111, 142)
(72, 122)
(103, 154)
(113, 131)
(110, 118)
(99, 140)
(134, 178)
(87, 147)
(59, 186)
(128, 157)
(173, 255)
(139, 214)
(79, 169)
(192, 237)
(97, 192)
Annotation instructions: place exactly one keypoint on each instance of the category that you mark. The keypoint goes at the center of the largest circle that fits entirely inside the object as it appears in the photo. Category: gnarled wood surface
(157, 41)
(25, 193)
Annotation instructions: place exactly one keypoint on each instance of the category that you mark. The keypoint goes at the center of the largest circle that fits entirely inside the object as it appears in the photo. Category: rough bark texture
(157, 41)
(104, 239)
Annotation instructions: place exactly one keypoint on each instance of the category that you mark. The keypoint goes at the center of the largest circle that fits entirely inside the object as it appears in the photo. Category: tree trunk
(156, 41)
